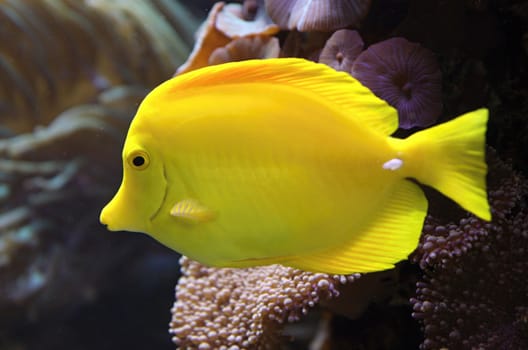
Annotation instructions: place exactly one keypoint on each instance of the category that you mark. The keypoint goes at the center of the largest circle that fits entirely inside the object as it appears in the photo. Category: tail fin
(451, 158)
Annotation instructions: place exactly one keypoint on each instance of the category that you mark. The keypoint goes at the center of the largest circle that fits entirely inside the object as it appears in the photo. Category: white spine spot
(393, 164)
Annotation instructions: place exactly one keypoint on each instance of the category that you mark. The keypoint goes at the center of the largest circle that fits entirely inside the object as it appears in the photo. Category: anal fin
(392, 235)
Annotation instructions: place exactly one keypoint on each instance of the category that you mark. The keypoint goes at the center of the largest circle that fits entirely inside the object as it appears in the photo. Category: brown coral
(224, 24)
(305, 45)
(54, 183)
(56, 54)
(246, 48)
(72, 74)
(221, 308)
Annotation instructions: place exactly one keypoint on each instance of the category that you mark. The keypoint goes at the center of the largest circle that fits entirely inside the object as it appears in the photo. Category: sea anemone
(407, 76)
(317, 15)
(341, 49)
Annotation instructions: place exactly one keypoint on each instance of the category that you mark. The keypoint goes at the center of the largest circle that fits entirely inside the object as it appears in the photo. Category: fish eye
(138, 160)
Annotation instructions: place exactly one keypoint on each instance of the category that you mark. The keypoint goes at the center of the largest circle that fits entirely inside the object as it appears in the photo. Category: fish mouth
(106, 220)
(103, 220)
(156, 213)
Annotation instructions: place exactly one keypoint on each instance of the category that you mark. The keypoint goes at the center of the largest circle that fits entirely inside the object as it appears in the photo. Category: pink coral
(220, 308)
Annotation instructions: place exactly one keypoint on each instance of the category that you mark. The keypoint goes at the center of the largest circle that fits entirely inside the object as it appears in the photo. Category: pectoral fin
(192, 210)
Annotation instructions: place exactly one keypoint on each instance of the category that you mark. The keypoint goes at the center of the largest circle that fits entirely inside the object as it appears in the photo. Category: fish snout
(106, 217)
(112, 214)
(121, 215)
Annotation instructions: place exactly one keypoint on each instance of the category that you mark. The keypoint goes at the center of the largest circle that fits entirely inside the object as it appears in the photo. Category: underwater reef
(72, 74)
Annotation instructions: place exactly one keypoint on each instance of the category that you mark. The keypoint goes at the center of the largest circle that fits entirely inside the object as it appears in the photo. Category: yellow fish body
(288, 161)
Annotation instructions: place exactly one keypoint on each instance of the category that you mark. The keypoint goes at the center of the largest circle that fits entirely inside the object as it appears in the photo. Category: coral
(341, 49)
(407, 76)
(72, 74)
(246, 48)
(224, 24)
(305, 45)
(54, 182)
(321, 15)
(225, 308)
(208, 38)
(244, 20)
(213, 304)
(74, 49)
(474, 292)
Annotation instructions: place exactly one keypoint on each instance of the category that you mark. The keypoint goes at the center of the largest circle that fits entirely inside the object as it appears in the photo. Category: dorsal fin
(339, 88)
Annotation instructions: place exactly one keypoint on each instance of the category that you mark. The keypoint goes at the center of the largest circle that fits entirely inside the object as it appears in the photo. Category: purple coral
(474, 293)
(243, 308)
(407, 76)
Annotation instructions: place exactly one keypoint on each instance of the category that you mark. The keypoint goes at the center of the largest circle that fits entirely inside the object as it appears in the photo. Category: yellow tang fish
(288, 161)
